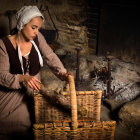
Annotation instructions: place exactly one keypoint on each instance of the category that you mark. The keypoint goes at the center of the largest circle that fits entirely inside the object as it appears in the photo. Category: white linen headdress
(24, 16)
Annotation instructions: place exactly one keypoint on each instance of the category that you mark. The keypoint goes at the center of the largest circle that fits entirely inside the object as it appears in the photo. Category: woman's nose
(36, 31)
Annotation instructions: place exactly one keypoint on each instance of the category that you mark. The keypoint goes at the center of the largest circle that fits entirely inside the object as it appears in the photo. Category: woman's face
(30, 30)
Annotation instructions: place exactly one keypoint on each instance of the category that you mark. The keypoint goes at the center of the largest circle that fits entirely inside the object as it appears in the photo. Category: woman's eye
(33, 28)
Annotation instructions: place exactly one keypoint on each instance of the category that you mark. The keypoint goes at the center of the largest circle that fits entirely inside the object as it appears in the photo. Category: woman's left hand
(64, 76)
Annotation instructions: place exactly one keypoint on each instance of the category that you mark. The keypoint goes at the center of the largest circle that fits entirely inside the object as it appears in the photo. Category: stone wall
(68, 17)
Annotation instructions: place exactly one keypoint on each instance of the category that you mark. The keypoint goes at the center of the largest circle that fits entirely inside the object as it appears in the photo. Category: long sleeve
(7, 79)
(50, 57)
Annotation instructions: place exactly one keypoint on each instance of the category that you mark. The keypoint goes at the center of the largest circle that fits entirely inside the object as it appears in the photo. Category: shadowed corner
(3, 30)
(138, 83)
(50, 35)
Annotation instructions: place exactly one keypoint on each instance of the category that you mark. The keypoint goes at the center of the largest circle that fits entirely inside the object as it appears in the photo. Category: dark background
(119, 31)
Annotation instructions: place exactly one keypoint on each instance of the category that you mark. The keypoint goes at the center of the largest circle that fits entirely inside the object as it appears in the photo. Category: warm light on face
(31, 29)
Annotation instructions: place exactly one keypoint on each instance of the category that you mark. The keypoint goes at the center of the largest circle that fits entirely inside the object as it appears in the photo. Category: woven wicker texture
(53, 123)
(45, 111)
(87, 130)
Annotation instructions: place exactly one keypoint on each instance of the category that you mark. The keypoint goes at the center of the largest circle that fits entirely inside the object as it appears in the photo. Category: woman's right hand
(31, 81)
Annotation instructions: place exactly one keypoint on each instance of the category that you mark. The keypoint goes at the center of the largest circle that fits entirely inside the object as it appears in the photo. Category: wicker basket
(46, 112)
(87, 130)
(72, 127)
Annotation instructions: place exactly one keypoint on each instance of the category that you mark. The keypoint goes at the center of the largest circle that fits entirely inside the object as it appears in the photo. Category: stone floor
(121, 133)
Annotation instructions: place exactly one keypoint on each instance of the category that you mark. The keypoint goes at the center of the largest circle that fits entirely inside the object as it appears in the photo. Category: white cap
(26, 14)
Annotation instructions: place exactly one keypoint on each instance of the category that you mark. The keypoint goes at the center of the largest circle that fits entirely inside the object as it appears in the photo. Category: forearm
(55, 64)
(50, 57)
(9, 80)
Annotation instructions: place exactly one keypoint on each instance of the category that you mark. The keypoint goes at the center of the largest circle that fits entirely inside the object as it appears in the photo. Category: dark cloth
(15, 66)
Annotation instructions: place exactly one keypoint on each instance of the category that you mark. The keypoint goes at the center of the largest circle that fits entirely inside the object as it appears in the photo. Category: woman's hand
(64, 76)
(30, 81)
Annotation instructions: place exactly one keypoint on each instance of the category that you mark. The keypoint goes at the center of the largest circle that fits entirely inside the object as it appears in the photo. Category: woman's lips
(33, 37)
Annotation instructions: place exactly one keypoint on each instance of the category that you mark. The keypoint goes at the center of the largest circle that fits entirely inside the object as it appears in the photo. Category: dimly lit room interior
(98, 42)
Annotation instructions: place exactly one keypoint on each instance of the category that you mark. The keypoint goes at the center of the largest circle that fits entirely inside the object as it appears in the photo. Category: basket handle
(73, 102)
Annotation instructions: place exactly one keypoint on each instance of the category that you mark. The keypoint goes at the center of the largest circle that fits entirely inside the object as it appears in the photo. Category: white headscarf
(24, 16)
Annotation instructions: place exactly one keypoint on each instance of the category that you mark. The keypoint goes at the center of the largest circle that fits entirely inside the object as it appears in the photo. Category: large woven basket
(47, 112)
(72, 127)
(87, 130)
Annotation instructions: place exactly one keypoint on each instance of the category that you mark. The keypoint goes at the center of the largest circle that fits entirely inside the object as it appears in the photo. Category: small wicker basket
(53, 124)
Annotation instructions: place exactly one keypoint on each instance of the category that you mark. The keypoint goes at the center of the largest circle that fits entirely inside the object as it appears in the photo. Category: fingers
(37, 84)
(64, 76)
(69, 73)
(37, 80)
(33, 83)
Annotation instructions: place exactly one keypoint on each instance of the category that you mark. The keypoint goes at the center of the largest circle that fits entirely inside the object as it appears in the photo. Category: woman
(20, 61)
